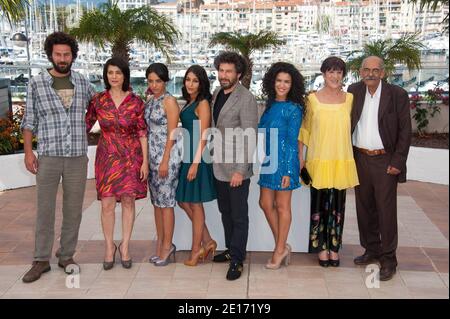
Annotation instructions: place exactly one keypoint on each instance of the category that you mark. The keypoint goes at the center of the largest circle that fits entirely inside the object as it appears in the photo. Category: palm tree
(109, 24)
(246, 45)
(433, 5)
(14, 10)
(405, 50)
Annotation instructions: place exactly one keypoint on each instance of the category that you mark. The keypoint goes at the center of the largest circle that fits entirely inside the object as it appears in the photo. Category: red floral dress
(119, 154)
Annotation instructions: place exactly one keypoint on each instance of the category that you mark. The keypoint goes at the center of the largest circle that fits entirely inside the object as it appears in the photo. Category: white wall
(427, 165)
(260, 237)
(13, 173)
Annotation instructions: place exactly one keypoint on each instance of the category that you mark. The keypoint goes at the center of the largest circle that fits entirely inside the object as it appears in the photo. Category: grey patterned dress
(162, 190)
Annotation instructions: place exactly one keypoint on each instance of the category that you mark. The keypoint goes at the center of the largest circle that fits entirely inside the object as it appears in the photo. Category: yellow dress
(326, 131)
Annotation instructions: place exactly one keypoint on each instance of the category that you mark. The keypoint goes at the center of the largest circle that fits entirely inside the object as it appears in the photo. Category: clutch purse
(304, 175)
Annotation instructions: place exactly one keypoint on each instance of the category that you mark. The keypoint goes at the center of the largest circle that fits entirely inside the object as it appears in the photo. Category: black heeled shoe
(125, 263)
(323, 262)
(334, 262)
(107, 265)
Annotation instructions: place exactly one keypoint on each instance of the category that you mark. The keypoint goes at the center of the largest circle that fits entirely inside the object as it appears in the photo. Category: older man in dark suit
(381, 128)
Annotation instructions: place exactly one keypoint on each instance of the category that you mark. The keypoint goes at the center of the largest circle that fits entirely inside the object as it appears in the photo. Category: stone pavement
(422, 255)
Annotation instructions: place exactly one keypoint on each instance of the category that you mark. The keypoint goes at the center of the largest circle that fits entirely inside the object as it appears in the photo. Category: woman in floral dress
(162, 114)
(121, 162)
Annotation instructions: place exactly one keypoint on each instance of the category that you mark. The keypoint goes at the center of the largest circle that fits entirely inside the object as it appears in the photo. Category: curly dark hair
(203, 89)
(232, 58)
(60, 38)
(123, 66)
(296, 93)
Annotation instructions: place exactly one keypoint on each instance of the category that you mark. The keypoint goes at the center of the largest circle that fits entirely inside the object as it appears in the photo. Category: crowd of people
(203, 151)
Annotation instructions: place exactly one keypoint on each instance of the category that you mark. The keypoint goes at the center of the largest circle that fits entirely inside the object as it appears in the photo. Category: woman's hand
(302, 163)
(192, 172)
(144, 171)
(163, 169)
(285, 182)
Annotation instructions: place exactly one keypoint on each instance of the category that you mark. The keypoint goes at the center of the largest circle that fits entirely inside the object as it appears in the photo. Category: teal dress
(202, 188)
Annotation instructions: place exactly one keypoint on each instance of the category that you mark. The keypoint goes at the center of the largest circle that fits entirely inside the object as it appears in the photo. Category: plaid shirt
(60, 131)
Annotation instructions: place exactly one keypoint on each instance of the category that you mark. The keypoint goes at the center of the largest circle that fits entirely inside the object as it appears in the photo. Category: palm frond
(405, 50)
(109, 24)
(433, 5)
(246, 44)
(13, 10)
(230, 40)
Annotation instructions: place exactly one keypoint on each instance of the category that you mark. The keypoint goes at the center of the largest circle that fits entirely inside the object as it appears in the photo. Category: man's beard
(63, 67)
(228, 85)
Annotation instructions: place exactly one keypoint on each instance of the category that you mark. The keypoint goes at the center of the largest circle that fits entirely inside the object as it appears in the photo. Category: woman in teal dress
(284, 88)
(196, 184)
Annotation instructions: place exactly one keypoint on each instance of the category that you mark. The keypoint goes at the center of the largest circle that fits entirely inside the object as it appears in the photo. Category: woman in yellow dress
(326, 133)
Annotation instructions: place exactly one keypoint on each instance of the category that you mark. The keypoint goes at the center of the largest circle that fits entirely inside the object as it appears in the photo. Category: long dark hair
(123, 66)
(296, 93)
(159, 69)
(203, 88)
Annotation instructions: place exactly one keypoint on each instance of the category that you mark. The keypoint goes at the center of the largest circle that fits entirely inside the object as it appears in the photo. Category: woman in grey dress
(161, 115)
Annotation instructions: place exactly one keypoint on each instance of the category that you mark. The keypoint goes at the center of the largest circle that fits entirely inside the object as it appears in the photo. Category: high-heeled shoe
(125, 263)
(200, 255)
(210, 247)
(334, 262)
(285, 258)
(107, 265)
(324, 262)
(153, 258)
(289, 247)
(165, 262)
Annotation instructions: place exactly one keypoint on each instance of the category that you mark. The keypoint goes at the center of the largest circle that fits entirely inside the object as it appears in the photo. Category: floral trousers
(327, 219)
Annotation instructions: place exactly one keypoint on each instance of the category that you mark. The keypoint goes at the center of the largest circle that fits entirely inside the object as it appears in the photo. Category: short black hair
(333, 63)
(160, 70)
(60, 38)
(203, 88)
(232, 58)
(123, 66)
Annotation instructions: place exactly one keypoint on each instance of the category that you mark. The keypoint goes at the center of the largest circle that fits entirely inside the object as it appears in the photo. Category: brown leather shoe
(38, 268)
(386, 273)
(74, 267)
(365, 259)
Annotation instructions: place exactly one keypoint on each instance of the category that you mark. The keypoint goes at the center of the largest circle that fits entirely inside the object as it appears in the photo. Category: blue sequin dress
(286, 117)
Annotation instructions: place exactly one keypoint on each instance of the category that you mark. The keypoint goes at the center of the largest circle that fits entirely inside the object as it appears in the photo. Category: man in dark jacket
(381, 133)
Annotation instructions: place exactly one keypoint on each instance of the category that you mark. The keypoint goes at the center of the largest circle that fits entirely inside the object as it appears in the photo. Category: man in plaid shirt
(56, 105)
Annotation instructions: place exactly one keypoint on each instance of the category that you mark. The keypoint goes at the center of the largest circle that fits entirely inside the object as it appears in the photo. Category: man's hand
(236, 180)
(391, 170)
(31, 162)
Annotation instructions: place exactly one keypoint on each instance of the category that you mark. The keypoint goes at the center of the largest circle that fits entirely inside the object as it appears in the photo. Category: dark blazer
(394, 121)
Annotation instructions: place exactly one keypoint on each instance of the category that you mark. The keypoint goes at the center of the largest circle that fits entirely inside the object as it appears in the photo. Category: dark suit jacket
(394, 121)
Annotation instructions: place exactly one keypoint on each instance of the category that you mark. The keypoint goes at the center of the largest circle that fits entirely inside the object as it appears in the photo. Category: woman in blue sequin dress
(284, 88)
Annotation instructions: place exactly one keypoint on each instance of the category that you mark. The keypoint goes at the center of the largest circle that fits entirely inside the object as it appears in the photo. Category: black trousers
(233, 206)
